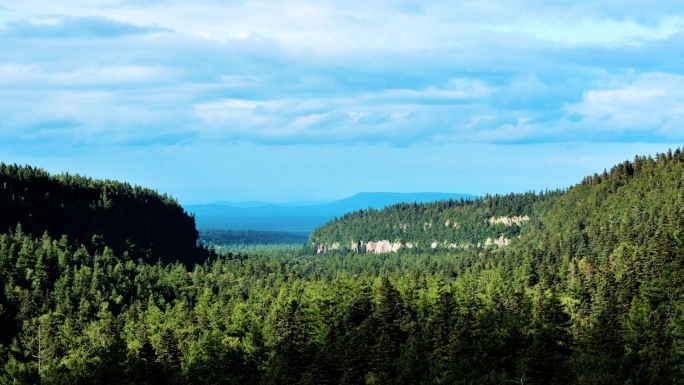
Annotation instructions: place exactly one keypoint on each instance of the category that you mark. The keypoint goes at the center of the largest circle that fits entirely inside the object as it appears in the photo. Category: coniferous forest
(103, 283)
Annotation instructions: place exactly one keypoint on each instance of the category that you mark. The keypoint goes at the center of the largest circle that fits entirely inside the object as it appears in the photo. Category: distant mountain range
(299, 217)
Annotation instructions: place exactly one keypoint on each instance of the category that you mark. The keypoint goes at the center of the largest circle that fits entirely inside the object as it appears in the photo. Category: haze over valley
(299, 217)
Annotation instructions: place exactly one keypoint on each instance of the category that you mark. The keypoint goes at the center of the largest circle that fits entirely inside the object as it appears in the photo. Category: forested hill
(447, 224)
(627, 200)
(589, 289)
(96, 213)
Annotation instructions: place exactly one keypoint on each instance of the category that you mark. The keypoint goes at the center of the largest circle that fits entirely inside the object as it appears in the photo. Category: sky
(290, 101)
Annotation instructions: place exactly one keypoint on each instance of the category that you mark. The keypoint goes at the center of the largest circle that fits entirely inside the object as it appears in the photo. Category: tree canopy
(590, 290)
(96, 213)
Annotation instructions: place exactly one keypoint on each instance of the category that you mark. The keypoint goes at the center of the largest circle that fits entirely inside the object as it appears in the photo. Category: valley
(104, 282)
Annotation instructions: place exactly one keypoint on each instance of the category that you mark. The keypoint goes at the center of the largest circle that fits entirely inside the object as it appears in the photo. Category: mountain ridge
(300, 216)
(498, 220)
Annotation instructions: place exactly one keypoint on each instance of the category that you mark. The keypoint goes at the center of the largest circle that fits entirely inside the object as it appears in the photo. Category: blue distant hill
(302, 217)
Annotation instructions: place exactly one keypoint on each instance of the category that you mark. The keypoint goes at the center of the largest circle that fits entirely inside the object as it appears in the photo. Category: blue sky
(295, 101)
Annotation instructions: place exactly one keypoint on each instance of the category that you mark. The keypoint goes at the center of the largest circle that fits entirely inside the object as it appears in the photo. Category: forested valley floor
(590, 290)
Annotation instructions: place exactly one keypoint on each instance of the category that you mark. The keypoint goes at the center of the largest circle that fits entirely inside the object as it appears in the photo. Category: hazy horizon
(256, 203)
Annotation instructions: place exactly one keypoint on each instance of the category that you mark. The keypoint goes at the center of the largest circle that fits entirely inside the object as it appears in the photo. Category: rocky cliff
(373, 245)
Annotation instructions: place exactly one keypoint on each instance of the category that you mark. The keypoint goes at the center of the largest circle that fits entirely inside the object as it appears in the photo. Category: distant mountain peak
(259, 215)
(383, 199)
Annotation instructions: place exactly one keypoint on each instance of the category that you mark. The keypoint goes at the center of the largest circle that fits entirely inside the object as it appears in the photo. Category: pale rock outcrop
(434, 244)
(384, 246)
(501, 242)
(321, 249)
(453, 246)
(356, 246)
(509, 221)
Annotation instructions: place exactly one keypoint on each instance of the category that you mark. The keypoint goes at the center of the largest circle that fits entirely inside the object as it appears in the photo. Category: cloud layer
(136, 72)
(325, 99)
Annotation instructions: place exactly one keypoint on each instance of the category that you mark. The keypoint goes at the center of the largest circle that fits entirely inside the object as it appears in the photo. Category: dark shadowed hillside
(96, 213)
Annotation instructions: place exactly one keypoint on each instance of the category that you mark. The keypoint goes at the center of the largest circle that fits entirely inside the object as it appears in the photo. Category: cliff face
(510, 221)
(383, 246)
(380, 246)
(483, 222)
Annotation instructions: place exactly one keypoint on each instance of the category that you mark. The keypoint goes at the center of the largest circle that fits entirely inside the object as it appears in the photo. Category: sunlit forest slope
(581, 286)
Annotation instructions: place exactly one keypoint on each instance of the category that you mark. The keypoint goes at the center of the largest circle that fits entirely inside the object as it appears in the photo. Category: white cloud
(304, 72)
(90, 76)
(595, 31)
(674, 128)
(642, 102)
(383, 85)
(56, 27)
(395, 114)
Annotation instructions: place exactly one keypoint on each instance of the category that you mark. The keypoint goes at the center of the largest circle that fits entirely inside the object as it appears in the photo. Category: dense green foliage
(590, 291)
(213, 237)
(461, 223)
(96, 213)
